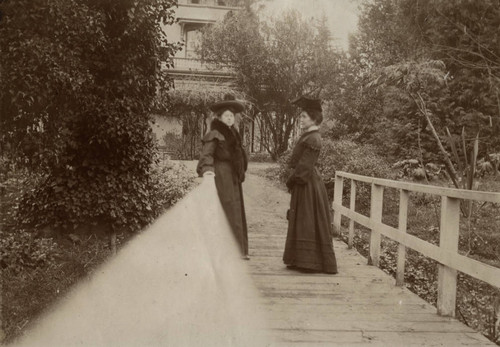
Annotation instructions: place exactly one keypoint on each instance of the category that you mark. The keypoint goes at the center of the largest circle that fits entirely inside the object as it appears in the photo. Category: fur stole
(238, 157)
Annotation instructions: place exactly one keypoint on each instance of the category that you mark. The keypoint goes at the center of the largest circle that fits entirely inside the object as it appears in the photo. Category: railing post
(376, 216)
(402, 224)
(337, 197)
(448, 240)
(352, 206)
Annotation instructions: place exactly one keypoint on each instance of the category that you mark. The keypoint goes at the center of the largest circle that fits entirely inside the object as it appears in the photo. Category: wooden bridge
(361, 305)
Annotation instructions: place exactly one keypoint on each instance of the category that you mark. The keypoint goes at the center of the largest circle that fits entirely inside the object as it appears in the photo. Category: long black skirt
(309, 239)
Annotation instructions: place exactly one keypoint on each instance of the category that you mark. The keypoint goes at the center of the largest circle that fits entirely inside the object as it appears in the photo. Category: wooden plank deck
(357, 307)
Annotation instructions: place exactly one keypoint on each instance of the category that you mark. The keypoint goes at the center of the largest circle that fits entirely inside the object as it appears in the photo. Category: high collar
(311, 128)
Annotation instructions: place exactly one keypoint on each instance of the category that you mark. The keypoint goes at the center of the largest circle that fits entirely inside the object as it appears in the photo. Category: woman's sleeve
(305, 166)
(206, 161)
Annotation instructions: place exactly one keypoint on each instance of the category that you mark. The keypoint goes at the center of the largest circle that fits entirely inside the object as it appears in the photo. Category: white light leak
(181, 282)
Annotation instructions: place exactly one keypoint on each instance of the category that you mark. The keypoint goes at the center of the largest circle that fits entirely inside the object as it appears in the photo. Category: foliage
(412, 169)
(33, 280)
(21, 250)
(260, 157)
(13, 185)
(275, 61)
(173, 181)
(406, 39)
(465, 36)
(343, 155)
(197, 98)
(381, 39)
(137, 204)
(82, 83)
(490, 164)
(352, 109)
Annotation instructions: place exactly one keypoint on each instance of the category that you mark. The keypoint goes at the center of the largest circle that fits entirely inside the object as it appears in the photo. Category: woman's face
(227, 117)
(305, 120)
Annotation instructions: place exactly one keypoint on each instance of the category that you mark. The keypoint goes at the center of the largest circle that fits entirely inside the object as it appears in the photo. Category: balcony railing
(222, 3)
(196, 65)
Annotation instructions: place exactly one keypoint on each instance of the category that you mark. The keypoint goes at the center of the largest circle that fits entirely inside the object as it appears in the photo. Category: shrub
(261, 157)
(21, 250)
(38, 271)
(172, 182)
(65, 208)
(83, 120)
(343, 155)
(412, 169)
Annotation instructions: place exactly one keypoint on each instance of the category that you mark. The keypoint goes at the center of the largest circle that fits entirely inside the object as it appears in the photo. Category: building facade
(189, 72)
(174, 133)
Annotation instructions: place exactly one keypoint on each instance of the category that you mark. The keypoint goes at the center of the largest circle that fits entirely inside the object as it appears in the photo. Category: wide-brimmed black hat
(230, 102)
(307, 103)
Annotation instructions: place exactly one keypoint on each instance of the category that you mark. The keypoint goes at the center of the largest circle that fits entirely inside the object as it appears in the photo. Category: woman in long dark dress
(223, 155)
(309, 244)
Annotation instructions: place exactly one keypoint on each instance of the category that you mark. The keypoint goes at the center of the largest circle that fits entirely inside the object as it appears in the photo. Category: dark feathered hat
(229, 101)
(307, 103)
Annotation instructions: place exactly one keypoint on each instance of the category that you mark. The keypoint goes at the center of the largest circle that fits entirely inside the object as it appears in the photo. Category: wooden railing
(446, 254)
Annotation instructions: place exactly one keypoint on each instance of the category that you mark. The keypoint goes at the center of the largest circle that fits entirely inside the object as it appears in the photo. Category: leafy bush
(83, 120)
(172, 182)
(73, 201)
(261, 157)
(37, 272)
(412, 169)
(343, 155)
(21, 250)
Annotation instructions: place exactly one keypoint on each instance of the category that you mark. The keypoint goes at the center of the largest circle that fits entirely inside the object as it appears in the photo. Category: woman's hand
(206, 177)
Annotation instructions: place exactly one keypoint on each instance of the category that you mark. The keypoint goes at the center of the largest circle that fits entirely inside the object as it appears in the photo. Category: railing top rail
(429, 189)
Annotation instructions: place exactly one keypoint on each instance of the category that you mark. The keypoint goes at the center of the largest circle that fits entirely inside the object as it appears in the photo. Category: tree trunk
(446, 157)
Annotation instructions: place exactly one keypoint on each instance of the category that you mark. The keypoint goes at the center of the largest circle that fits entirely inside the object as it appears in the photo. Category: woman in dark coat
(222, 154)
(309, 244)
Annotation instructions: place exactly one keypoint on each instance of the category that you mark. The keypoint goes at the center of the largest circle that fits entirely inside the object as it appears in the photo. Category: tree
(358, 112)
(275, 62)
(464, 36)
(80, 80)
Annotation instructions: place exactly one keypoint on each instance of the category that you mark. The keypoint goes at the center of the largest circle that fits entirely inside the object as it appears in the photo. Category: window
(193, 39)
